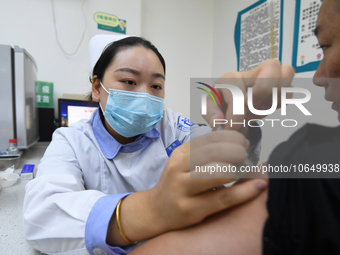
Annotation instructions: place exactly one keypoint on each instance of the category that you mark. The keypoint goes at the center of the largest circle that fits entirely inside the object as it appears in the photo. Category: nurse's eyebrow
(128, 70)
(135, 72)
(158, 75)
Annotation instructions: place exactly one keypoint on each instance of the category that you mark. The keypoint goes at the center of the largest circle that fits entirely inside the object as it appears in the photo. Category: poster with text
(253, 34)
(306, 51)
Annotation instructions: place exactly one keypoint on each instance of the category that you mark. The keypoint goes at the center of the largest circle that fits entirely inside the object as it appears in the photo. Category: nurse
(107, 183)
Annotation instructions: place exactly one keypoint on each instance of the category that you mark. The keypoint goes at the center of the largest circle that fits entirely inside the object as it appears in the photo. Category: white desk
(12, 239)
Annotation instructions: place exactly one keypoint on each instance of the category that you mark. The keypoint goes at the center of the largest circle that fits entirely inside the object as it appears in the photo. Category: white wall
(182, 30)
(29, 24)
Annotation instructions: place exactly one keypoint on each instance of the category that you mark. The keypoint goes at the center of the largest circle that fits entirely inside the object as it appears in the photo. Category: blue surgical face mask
(132, 113)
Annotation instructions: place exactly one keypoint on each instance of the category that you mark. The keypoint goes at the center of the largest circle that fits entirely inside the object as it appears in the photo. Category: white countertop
(12, 239)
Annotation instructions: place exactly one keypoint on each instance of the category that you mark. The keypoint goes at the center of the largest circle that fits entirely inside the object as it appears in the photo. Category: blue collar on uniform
(110, 147)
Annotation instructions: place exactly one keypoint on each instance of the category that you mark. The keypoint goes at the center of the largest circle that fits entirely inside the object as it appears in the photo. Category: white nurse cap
(97, 45)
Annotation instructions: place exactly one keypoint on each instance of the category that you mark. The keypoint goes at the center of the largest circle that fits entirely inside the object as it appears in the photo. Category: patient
(303, 214)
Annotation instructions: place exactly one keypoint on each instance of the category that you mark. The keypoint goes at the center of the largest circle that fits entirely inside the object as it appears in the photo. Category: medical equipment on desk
(7, 160)
(8, 177)
(19, 118)
(10, 157)
(13, 149)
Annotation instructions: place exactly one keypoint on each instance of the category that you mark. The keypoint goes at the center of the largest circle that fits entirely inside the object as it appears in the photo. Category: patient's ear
(95, 89)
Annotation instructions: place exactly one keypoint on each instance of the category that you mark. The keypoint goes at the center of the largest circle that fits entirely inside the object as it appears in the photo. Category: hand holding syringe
(279, 76)
(239, 172)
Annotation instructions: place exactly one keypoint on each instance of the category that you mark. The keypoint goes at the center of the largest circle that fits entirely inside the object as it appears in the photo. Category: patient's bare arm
(234, 231)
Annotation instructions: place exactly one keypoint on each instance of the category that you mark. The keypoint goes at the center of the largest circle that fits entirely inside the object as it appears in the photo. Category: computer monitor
(72, 110)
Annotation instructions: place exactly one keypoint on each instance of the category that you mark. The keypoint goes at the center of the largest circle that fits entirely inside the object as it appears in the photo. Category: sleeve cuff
(97, 225)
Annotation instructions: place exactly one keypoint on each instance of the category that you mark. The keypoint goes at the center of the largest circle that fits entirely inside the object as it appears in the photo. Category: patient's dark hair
(109, 53)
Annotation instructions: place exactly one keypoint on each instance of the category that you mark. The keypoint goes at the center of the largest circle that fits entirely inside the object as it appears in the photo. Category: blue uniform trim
(172, 146)
(97, 225)
(185, 125)
(110, 147)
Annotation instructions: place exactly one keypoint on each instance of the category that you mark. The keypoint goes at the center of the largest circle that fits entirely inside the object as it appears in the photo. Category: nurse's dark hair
(109, 53)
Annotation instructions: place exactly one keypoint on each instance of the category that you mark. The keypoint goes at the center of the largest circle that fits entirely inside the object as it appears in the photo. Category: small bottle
(12, 146)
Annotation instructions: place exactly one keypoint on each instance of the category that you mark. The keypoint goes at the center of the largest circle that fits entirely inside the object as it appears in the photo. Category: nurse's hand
(262, 79)
(183, 200)
(179, 200)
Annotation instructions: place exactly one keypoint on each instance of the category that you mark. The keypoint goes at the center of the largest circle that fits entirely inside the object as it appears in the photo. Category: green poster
(44, 94)
(110, 22)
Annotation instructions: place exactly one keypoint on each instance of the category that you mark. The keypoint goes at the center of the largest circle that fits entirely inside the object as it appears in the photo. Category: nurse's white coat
(74, 174)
